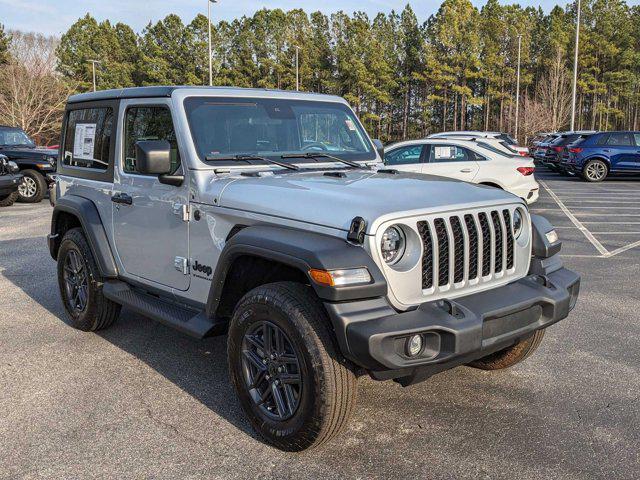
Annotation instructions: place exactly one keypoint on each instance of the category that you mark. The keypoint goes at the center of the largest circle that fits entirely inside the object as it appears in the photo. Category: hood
(331, 201)
(36, 153)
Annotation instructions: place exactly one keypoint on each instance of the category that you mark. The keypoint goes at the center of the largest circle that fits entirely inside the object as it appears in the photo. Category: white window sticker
(444, 152)
(350, 125)
(84, 141)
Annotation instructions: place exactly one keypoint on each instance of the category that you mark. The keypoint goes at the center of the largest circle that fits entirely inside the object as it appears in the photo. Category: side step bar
(186, 320)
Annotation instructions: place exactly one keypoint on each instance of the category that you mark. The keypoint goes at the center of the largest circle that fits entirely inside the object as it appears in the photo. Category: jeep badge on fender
(317, 262)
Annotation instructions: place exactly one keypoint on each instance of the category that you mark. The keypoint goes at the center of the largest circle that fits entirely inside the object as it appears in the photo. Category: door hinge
(182, 211)
(181, 264)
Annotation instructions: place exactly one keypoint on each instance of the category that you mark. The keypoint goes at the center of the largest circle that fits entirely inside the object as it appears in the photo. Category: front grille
(461, 248)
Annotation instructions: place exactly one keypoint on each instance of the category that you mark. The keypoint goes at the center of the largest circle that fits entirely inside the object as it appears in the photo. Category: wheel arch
(72, 211)
(491, 184)
(273, 254)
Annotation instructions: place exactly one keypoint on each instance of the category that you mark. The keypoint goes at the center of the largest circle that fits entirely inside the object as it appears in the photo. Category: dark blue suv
(602, 154)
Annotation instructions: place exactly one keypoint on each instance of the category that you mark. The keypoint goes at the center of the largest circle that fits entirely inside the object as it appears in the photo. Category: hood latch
(357, 230)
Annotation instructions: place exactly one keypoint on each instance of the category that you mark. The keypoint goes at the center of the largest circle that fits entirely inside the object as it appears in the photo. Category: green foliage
(457, 70)
(5, 40)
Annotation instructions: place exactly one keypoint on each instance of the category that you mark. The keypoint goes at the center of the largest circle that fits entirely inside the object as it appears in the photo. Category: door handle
(122, 198)
(466, 170)
(606, 150)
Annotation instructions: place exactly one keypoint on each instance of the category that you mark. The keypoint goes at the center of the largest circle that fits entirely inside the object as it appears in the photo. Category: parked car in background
(9, 181)
(553, 153)
(34, 163)
(541, 148)
(603, 154)
(466, 160)
(504, 139)
(537, 139)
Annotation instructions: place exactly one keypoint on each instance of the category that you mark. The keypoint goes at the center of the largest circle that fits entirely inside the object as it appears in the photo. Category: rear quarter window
(87, 138)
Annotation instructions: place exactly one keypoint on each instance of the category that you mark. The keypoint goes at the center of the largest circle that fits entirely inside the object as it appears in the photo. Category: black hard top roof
(161, 91)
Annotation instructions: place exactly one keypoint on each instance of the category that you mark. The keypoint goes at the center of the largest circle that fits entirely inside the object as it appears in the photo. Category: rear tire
(8, 200)
(80, 285)
(510, 356)
(595, 171)
(323, 399)
(32, 188)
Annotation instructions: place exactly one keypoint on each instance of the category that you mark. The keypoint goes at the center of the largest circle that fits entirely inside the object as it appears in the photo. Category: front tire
(32, 188)
(80, 285)
(292, 382)
(595, 171)
(8, 200)
(510, 356)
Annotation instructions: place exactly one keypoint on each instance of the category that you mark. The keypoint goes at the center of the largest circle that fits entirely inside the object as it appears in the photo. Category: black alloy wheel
(75, 282)
(271, 371)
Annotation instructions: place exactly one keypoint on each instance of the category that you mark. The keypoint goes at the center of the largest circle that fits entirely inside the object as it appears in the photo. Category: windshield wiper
(324, 155)
(248, 158)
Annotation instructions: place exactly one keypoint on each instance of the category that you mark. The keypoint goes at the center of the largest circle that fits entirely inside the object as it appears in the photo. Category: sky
(55, 17)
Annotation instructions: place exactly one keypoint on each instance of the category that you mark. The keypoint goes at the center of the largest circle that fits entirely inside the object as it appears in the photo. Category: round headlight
(392, 245)
(51, 160)
(518, 222)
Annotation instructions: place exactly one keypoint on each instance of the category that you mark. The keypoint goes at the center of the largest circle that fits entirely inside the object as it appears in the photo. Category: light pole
(209, 2)
(518, 86)
(93, 66)
(297, 67)
(575, 72)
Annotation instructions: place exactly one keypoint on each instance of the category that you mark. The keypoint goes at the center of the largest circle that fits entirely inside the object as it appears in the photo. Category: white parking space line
(594, 241)
(607, 202)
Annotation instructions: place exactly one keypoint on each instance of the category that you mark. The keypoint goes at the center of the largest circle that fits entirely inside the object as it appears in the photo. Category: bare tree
(554, 92)
(536, 117)
(32, 94)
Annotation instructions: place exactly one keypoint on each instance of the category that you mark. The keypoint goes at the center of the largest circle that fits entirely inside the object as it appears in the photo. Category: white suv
(467, 160)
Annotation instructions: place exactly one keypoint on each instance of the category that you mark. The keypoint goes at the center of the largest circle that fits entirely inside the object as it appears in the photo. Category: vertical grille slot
(427, 255)
(507, 221)
(443, 249)
(459, 254)
(497, 226)
(486, 244)
(473, 246)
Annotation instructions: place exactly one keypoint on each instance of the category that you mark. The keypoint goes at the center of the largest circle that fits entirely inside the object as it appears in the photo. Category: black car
(553, 153)
(9, 181)
(542, 146)
(34, 163)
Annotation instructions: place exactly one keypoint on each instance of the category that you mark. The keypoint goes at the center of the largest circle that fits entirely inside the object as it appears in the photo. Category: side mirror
(153, 157)
(379, 147)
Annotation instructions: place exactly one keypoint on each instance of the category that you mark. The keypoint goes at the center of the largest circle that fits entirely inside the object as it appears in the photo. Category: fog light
(552, 236)
(414, 345)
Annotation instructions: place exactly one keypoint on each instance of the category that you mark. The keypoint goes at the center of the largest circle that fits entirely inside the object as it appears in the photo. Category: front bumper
(9, 183)
(455, 332)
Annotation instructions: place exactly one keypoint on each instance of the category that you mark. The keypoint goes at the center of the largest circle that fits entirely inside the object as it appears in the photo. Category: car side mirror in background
(153, 157)
(379, 147)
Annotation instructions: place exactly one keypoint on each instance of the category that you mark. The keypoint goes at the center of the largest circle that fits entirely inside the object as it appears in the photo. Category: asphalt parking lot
(142, 401)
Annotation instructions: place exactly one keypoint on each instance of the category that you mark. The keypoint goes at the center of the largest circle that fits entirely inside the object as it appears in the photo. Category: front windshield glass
(14, 137)
(226, 127)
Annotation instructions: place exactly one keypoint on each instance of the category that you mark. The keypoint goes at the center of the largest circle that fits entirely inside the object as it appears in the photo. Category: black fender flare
(87, 214)
(302, 250)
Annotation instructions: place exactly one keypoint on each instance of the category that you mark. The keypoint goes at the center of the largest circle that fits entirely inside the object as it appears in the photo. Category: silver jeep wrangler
(269, 216)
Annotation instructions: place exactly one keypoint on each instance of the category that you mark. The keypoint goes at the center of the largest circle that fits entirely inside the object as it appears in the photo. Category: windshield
(493, 149)
(15, 137)
(224, 127)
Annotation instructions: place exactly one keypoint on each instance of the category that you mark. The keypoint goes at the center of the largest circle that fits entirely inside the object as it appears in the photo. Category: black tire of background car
(510, 356)
(40, 184)
(329, 384)
(8, 200)
(100, 312)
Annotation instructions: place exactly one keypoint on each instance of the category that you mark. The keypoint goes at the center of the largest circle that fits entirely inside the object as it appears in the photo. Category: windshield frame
(368, 156)
(31, 143)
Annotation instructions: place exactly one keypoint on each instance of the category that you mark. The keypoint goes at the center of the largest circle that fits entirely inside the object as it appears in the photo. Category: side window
(148, 123)
(450, 153)
(637, 138)
(404, 155)
(620, 140)
(87, 139)
(602, 140)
